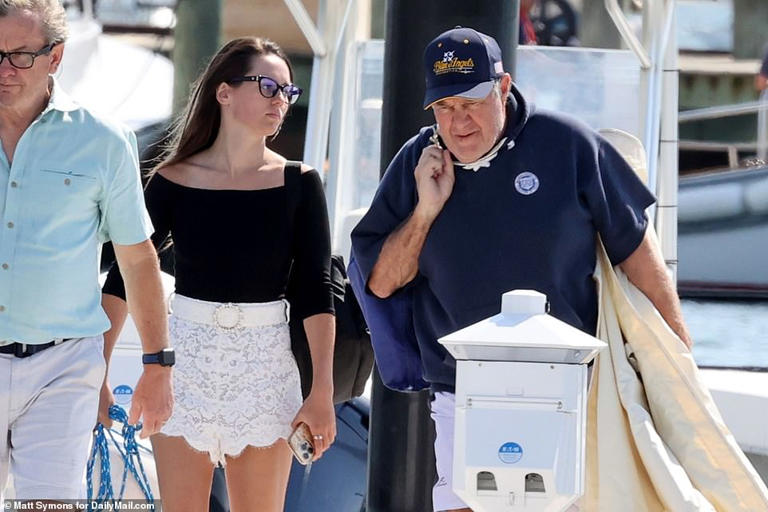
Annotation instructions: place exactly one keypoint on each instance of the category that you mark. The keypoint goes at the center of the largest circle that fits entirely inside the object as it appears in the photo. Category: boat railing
(717, 112)
(622, 25)
(760, 146)
(732, 150)
(657, 55)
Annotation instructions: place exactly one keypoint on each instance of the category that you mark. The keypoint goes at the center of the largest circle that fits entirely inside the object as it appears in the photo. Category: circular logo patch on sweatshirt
(527, 183)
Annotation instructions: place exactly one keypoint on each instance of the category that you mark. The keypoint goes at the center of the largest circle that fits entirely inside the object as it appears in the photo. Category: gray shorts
(48, 406)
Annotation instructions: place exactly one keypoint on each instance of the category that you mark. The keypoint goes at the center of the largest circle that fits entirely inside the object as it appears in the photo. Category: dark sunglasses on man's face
(268, 87)
(25, 60)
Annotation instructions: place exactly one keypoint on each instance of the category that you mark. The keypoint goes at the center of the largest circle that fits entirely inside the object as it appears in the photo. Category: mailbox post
(521, 396)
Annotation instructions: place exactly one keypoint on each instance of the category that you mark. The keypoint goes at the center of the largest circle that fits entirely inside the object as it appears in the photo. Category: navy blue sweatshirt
(529, 221)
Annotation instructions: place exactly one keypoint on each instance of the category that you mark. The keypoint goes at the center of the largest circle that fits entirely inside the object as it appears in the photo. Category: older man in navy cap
(497, 196)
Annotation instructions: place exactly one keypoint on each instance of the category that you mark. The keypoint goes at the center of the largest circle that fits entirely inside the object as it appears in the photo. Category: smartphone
(300, 443)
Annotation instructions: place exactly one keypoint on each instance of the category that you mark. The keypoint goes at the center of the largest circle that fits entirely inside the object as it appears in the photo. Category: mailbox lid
(522, 337)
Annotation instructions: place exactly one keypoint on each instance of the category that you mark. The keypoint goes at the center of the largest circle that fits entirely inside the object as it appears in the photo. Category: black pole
(401, 468)
(196, 39)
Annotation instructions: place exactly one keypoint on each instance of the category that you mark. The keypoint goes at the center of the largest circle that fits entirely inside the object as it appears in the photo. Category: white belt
(228, 315)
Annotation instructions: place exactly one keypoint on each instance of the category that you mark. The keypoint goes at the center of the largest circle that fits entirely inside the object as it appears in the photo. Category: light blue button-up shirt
(73, 184)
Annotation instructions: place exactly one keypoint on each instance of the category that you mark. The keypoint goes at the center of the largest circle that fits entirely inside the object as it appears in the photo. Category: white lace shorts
(236, 385)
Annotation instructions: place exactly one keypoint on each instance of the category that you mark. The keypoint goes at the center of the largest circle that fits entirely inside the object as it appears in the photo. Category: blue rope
(101, 450)
(129, 453)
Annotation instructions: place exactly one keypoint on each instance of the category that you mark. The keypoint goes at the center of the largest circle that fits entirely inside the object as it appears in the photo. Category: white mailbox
(521, 395)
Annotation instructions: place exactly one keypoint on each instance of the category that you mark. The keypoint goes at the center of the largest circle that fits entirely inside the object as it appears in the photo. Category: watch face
(167, 357)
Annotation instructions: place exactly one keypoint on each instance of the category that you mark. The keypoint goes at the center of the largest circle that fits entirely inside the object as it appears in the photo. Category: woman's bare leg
(185, 475)
(258, 477)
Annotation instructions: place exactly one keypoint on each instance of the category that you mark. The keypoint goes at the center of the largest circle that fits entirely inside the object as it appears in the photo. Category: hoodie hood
(518, 112)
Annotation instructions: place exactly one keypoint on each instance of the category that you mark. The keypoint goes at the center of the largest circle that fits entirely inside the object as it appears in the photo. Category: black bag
(353, 353)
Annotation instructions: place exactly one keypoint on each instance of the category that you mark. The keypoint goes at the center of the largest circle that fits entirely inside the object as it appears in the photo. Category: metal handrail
(307, 26)
(342, 29)
(622, 25)
(759, 107)
(736, 109)
(716, 145)
(655, 93)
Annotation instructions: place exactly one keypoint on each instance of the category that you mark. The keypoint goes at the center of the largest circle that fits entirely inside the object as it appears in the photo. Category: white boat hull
(742, 398)
(723, 234)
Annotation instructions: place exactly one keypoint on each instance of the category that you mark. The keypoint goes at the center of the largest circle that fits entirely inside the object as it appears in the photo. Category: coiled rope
(129, 452)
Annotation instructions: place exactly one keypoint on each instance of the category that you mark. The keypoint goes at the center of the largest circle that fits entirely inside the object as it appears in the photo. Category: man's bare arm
(646, 269)
(144, 293)
(153, 396)
(398, 260)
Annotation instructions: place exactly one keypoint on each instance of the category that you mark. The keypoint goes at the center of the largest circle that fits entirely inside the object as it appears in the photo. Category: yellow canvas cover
(656, 441)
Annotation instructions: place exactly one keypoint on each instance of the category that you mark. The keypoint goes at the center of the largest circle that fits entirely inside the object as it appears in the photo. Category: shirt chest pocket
(60, 186)
(56, 198)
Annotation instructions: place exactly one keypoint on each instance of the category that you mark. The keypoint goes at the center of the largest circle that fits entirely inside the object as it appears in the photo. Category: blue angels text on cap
(461, 62)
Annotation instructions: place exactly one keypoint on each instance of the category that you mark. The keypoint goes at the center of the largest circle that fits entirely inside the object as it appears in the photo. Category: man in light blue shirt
(68, 182)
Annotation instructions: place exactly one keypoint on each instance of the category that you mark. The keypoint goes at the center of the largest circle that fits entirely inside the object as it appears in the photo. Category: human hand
(319, 415)
(106, 400)
(686, 338)
(152, 399)
(435, 178)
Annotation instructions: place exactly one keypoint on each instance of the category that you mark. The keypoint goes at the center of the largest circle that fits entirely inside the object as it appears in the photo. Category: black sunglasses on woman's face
(268, 87)
(25, 60)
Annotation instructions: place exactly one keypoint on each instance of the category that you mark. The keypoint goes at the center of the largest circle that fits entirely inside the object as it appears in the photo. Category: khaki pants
(48, 409)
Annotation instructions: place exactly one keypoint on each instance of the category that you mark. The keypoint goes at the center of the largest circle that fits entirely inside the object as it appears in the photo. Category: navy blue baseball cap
(461, 62)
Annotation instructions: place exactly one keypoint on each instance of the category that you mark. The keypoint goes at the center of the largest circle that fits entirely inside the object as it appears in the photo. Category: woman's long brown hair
(196, 129)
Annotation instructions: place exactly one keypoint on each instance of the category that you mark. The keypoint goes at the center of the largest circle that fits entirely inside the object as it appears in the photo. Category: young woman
(220, 193)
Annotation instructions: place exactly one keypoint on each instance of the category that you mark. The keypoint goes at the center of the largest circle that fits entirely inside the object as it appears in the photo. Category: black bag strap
(292, 178)
(292, 182)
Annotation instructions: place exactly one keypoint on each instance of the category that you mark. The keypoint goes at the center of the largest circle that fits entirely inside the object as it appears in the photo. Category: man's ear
(57, 53)
(506, 85)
